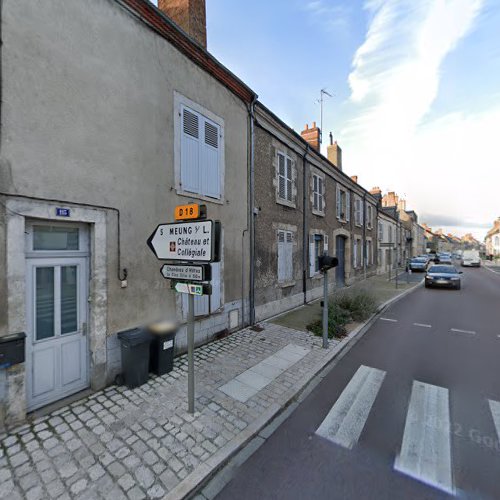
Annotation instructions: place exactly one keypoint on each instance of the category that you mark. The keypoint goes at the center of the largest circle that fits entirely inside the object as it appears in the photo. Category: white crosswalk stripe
(495, 411)
(426, 449)
(345, 421)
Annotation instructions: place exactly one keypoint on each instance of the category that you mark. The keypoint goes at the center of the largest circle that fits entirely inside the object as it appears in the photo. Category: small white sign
(190, 288)
(168, 344)
(179, 272)
(188, 241)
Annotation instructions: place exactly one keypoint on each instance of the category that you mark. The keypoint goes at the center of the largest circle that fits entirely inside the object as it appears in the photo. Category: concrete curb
(201, 476)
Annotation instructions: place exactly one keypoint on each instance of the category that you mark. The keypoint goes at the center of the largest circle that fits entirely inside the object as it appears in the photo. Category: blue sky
(416, 87)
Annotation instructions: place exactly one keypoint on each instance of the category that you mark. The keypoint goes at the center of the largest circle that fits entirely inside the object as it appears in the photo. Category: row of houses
(438, 241)
(112, 114)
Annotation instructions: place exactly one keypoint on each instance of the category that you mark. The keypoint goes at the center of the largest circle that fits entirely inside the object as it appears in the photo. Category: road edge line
(204, 473)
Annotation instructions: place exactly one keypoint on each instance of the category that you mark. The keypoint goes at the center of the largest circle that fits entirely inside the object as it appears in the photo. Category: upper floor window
(358, 211)
(380, 231)
(200, 154)
(318, 193)
(285, 179)
(390, 234)
(369, 216)
(343, 204)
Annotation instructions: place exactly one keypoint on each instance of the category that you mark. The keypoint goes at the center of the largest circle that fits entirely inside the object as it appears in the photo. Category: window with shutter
(285, 177)
(320, 194)
(355, 253)
(339, 202)
(347, 206)
(281, 177)
(200, 154)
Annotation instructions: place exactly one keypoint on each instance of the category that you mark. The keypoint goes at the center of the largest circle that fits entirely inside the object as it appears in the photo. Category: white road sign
(189, 288)
(187, 241)
(184, 272)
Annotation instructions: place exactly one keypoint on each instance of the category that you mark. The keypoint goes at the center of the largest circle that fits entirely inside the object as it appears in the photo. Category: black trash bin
(161, 349)
(135, 356)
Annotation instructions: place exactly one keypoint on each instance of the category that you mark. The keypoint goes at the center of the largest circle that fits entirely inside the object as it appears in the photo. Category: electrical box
(12, 349)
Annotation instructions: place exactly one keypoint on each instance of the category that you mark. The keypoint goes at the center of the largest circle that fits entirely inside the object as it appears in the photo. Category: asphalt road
(405, 414)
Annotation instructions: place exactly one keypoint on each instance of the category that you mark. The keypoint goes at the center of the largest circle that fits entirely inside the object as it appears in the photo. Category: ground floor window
(318, 244)
(285, 256)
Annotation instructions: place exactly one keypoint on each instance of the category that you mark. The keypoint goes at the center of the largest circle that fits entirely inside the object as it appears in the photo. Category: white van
(471, 258)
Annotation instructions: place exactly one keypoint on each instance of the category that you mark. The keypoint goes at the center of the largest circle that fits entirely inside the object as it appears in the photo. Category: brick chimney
(377, 193)
(311, 135)
(354, 178)
(390, 199)
(402, 205)
(334, 153)
(190, 15)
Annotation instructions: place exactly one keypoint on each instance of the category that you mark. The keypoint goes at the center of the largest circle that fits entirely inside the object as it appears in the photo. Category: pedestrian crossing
(426, 448)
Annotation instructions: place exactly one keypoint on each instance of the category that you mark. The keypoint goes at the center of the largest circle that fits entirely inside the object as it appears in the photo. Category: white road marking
(345, 421)
(423, 325)
(457, 330)
(426, 449)
(389, 319)
(495, 411)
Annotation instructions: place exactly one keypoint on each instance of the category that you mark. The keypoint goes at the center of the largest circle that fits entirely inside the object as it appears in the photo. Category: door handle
(84, 329)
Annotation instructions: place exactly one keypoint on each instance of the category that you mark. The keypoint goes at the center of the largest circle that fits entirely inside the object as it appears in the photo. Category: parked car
(445, 276)
(471, 258)
(445, 259)
(418, 264)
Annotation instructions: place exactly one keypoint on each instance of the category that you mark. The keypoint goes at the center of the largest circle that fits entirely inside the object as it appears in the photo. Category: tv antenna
(322, 94)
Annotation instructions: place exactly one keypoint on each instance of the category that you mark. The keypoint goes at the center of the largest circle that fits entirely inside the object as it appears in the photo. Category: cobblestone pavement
(141, 443)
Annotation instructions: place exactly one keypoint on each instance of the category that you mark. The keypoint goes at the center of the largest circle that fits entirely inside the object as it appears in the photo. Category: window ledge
(318, 213)
(287, 284)
(286, 203)
(197, 196)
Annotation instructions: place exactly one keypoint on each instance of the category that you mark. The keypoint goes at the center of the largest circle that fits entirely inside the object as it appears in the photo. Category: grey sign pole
(325, 310)
(190, 342)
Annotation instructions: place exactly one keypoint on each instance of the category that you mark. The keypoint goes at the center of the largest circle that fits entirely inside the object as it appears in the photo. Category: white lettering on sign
(184, 241)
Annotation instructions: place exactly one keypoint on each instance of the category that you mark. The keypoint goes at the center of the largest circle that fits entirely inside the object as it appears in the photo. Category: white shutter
(354, 253)
(289, 179)
(339, 202)
(312, 257)
(325, 243)
(210, 160)
(320, 194)
(215, 298)
(289, 256)
(281, 256)
(361, 212)
(347, 206)
(190, 151)
(315, 192)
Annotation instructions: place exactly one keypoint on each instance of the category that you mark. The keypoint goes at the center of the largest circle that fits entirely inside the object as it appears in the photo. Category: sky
(415, 85)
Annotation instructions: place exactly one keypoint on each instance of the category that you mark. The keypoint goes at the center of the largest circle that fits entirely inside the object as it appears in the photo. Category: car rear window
(443, 269)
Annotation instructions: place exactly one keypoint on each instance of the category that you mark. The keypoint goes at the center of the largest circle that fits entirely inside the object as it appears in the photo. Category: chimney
(334, 153)
(354, 178)
(190, 15)
(402, 205)
(390, 200)
(377, 193)
(311, 135)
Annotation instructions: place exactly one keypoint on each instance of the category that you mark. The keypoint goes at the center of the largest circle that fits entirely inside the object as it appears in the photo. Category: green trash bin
(161, 349)
(135, 356)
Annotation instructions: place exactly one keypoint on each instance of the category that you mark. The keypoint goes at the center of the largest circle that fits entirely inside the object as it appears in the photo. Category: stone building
(111, 115)
(305, 205)
(492, 240)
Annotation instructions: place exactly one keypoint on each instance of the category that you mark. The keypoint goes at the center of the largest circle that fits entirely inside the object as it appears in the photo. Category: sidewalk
(142, 443)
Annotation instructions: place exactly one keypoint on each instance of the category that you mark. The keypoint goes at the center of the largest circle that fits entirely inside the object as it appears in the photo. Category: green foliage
(345, 307)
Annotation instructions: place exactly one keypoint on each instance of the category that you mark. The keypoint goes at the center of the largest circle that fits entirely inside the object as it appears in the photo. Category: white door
(56, 343)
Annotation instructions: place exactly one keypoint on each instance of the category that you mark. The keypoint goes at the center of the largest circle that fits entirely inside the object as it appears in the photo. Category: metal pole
(190, 341)
(397, 273)
(325, 310)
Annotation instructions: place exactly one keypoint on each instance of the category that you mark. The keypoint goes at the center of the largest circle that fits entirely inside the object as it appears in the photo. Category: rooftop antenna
(322, 93)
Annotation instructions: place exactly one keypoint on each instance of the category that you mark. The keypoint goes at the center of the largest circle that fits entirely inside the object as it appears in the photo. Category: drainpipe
(364, 235)
(305, 235)
(251, 116)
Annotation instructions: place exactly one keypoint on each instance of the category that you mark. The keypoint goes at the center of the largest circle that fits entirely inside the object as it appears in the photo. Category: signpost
(326, 262)
(192, 246)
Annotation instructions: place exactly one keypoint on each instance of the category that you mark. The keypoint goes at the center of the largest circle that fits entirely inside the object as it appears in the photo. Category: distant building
(492, 240)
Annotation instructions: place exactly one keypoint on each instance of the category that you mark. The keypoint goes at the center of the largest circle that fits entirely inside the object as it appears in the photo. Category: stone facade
(302, 205)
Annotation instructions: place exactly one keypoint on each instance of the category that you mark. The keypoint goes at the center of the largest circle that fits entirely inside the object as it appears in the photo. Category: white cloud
(394, 82)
